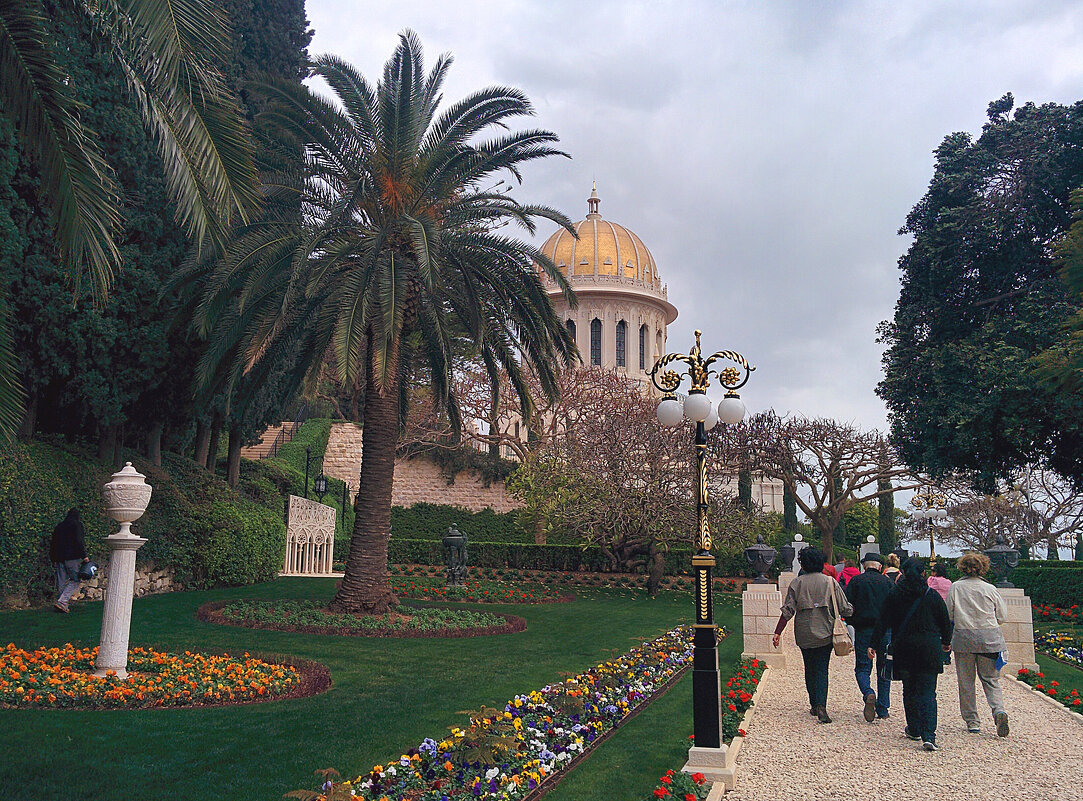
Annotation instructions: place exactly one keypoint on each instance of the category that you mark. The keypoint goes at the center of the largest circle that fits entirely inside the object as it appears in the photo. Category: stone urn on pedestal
(126, 497)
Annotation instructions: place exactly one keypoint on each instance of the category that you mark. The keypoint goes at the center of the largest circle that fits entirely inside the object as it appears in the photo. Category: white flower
(491, 774)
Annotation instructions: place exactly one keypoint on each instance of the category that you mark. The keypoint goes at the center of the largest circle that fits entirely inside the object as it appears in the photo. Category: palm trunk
(203, 442)
(212, 447)
(29, 422)
(154, 444)
(233, 458)
(365, 586)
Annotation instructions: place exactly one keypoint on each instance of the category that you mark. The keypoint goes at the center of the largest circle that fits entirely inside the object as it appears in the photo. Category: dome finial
(593, 201)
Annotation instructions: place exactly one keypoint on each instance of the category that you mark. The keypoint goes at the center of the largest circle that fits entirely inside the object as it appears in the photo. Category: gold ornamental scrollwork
(703, 594)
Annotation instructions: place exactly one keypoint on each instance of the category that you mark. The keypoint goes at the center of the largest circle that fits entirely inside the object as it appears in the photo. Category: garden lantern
(760, 557)
(320, 486)
(1004, 559)
(126, 497)
(455, 545)
(706, 684)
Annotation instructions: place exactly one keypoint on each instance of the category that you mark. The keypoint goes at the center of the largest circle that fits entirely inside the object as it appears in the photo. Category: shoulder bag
(840, 637)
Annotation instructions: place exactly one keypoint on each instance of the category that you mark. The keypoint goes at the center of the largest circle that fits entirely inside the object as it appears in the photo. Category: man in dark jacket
(67, 550)
(867, 592)
(920, 635)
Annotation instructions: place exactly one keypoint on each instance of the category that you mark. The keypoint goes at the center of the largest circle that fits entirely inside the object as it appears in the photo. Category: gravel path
(789, 755)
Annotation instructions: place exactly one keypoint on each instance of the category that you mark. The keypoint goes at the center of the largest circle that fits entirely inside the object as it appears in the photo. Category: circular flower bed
(478, 591)
(311, 617)
(62, 677)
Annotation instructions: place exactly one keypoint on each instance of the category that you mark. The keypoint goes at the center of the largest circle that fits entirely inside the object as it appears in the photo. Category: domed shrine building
(623, 306)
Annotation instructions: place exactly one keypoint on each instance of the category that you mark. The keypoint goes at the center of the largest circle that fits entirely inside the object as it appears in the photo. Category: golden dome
(604, 248)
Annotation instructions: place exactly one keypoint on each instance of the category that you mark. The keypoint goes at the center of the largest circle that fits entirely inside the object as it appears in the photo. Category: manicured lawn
(1070, 678)
(387, 695)
(627, 766)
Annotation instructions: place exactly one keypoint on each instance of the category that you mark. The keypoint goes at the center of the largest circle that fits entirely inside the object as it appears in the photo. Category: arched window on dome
(571, 328)
(596, 341)
(643, 347)
(622, 344)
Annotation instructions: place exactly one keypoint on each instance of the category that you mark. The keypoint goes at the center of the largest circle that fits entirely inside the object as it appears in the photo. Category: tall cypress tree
(886, 508)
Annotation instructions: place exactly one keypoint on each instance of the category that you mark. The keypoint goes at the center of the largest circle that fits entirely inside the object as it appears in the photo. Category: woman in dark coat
(67, 550)
(917, 647)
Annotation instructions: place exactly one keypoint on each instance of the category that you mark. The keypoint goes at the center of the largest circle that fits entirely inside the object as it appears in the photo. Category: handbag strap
(834, 607)
(913, 609)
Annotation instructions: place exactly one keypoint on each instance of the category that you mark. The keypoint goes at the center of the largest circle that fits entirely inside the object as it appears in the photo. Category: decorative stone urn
(126, 498)
(1004, 559)
(760, 557)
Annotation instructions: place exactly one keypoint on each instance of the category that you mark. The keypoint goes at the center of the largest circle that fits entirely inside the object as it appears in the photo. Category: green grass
(627, 766)
(387, 695)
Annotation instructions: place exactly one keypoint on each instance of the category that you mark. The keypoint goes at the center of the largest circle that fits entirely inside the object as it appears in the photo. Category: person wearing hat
(866, 593)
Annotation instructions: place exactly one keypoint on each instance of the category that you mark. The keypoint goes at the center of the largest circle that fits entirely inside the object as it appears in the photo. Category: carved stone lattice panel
(310, 538)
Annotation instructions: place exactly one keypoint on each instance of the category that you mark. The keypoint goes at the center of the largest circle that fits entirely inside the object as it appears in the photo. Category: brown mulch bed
(212, 613)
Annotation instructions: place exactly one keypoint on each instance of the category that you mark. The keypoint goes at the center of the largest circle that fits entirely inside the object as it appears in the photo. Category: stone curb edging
(1049, 700)
(728, 775)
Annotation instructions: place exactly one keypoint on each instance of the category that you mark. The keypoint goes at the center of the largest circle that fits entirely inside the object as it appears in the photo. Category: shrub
(426, 521)
(1058, 586)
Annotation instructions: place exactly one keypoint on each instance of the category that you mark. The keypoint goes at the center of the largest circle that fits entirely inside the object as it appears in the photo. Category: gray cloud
(767, 153)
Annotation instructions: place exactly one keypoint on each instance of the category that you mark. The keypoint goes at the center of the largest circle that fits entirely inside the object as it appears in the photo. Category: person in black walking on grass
(920, 634)
(67, 550)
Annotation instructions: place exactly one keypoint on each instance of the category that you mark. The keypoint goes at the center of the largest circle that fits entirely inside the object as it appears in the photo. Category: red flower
(661, 792)
(689, 797)
(665, 780)
(699, 778)
(742, 732)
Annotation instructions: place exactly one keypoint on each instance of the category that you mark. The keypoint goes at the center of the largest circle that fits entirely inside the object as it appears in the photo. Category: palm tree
(401, 245)
(172, 54)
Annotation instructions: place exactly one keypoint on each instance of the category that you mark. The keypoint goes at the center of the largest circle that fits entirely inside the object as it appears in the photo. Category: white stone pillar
(126, 498)
(1018, 630)
(867, 547)
(117, 615)
(762, 605)
(798, 546)
(785, 578)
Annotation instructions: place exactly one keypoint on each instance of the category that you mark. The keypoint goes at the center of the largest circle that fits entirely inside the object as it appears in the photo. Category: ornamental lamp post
(697, 409)
(929, 505)
(319, 486)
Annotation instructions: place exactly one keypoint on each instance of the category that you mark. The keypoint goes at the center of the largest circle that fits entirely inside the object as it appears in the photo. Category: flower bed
(311, 617)
(566, 578)
(1036, 679)
(1061, 646)
(508, 753)
(681, 786)
(736, 701)
(477, 591)
(61, 677)
(1049, 613)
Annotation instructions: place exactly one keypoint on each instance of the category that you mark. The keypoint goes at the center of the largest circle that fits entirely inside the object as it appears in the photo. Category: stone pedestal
(762, 604)
(1018, 630)
(867, 547)
(785, 578)
(117, 615)
(711, 762)
(798, 546)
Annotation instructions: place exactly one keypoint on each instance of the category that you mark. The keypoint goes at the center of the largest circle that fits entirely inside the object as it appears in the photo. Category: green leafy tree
(170, 55)
(401, 235)
(980, 298)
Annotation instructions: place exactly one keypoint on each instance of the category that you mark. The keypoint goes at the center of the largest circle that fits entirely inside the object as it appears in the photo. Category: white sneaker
(973, 728)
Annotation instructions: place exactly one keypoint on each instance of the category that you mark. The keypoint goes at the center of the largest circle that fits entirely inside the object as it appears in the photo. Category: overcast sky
(767, 153)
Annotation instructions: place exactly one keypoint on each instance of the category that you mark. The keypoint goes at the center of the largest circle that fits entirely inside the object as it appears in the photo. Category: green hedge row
(195, 524)
(528, 556)
(1057, 586)
(426, 521)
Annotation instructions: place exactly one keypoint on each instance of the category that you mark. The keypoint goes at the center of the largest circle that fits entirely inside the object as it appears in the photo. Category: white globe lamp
(731, 409)
(712, 419)
(670, 413)
(696, 407)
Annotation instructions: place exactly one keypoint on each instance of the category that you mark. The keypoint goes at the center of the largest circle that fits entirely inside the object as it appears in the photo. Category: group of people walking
(904, 625)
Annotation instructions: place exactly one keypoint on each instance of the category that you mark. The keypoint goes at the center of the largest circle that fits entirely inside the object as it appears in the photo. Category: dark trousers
(863, 667)
(919, 702)
(816, 662)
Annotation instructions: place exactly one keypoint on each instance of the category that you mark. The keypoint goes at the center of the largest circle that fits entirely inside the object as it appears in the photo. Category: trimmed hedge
(426, 521)
(528, 556)
(195, 523)
(1059, 586)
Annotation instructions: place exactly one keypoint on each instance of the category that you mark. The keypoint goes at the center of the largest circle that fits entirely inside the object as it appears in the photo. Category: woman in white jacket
(977, 610)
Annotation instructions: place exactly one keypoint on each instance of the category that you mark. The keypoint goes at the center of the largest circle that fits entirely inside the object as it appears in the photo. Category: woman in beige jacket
(812, 601)
(977, 610)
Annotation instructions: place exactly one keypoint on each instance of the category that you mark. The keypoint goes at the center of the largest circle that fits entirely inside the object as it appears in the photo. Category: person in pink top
(848, 572)
(940, 582)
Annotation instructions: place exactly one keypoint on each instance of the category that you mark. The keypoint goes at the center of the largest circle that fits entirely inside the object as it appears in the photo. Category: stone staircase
(262, 449)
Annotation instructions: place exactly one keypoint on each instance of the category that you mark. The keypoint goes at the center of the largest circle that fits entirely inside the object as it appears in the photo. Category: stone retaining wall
(417, 480)
(149, 580)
